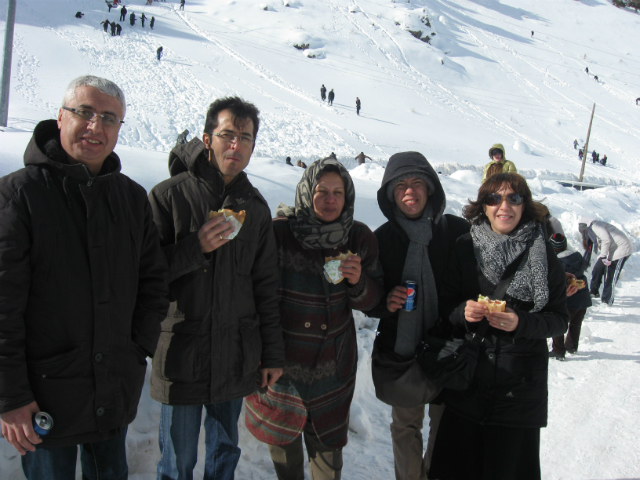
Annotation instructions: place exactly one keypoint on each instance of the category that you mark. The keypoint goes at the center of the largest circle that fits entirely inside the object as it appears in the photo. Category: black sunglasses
(495, 199)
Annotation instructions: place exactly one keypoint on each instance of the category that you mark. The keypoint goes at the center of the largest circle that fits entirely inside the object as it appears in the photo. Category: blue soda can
(412, 288)
(42, 423)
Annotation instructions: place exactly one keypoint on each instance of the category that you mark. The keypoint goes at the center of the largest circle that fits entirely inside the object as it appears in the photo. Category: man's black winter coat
(82, 291)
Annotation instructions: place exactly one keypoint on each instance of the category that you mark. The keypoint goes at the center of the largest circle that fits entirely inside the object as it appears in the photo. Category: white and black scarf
(495, 252)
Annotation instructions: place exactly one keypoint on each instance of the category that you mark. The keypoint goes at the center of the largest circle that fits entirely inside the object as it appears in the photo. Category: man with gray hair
(82, 291)
(414, 245)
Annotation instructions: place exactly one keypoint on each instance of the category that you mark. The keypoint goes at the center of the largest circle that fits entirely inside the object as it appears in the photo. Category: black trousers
(466, 450)
(611, 274)
(561, 343)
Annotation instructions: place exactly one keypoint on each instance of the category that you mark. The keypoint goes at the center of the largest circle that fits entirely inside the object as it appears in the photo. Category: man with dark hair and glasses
(82, 290)
(222, 338)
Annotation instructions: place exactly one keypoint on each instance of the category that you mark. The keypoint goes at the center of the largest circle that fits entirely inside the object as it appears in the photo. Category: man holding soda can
(82, 291)
(414, 248)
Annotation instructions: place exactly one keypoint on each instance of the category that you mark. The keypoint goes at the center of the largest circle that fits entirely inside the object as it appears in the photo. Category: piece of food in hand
(236, 219)
(574, 282)
(492, 305)
(332, 265)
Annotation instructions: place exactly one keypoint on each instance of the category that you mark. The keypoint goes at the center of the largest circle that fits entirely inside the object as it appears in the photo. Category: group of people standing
(116, 28)
(595, 157)
(95, 277)
(332, 96)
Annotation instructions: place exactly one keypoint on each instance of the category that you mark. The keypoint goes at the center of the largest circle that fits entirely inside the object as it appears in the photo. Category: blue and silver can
(412, 290)
(42, 423)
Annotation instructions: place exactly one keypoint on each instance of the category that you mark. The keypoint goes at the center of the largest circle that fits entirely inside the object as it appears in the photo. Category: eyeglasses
(107, 119)
(245, 140)
(495, 199)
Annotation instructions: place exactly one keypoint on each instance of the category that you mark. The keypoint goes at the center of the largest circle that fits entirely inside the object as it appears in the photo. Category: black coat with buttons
(223, 323)
(82, 292)
(510, 383)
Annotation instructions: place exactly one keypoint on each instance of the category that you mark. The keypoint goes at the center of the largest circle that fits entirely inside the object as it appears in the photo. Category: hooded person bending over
(497, 155)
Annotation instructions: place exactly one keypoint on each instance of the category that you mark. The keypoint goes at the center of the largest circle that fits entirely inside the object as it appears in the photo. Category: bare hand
(17, 428)
(396, 298)
(474, 311)
(270, 376)
(571, 289)
(507, 320)
(214, 233)
(351, 269)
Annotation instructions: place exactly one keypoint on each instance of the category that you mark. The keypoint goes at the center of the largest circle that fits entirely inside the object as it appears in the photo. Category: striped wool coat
(320, 341)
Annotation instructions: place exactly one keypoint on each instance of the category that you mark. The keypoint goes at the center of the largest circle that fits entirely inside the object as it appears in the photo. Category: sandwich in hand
(574, 282)
(492, 305)
(331, 265)
(236, 219)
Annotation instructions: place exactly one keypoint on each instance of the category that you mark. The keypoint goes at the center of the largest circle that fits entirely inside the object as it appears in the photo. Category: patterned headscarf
(308, 229)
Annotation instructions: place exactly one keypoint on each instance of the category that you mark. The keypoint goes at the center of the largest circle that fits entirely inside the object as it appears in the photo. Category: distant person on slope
(113, 29)
(323, 92)
(118, 29)
(142, 19)
(594, 155)
(358, 104)
(152, 22)
(575, 144)
(613, 248)
(361, 158)
(182, 5)
(331, 96)
(580, 153)
(132, 19)
(79, 14)
(182, 138)
(159, 52)
(604, 160)
(105, 25)
(123, 13)
(288, 161)
(497, 155)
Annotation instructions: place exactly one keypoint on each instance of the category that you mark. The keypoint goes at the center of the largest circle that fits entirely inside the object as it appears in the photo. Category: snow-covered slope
(482, 78)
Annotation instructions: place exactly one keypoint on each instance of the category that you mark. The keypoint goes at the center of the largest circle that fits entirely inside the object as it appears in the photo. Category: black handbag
(451, 363)
(399, 381)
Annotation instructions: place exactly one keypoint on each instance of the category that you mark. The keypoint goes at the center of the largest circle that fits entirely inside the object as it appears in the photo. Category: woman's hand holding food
(474, 311)
(351, 269)
(507, 320)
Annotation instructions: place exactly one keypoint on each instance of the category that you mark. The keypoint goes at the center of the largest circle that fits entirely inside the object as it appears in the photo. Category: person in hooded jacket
(313, 397)
(82, 290)
(222, 337)
(415, 244)
(497, 156)
(491, 430)
(577, 304)
(613, 249)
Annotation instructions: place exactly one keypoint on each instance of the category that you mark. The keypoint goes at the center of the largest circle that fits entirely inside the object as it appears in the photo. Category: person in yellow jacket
(496, 153)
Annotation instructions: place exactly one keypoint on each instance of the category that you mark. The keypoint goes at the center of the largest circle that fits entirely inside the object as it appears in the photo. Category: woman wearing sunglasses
(491, 431)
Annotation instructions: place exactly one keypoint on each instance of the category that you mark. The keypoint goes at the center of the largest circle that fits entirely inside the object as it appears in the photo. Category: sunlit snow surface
(481, 80)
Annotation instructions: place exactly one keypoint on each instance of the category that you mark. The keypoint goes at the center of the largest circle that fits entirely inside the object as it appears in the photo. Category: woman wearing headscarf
(498, 163)
(491, 431)
(313, 396)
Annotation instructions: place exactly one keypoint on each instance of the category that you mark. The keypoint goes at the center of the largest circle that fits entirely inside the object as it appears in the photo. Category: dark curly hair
(474, 212)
